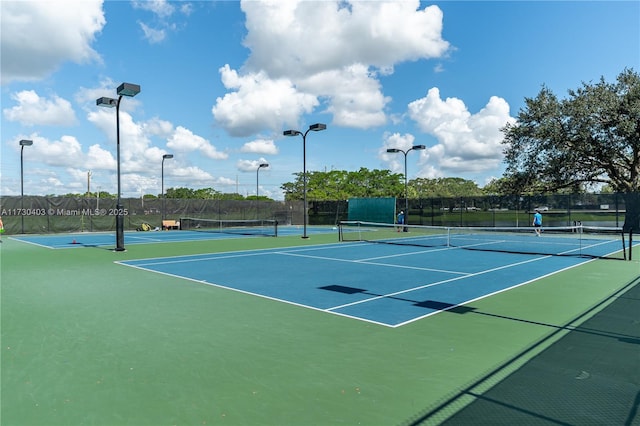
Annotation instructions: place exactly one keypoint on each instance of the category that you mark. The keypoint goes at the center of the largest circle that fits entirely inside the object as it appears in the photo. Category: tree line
(186, 193)
(340, 185)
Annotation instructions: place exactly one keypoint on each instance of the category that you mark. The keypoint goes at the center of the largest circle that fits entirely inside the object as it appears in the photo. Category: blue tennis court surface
(383, 284)
(108, 239)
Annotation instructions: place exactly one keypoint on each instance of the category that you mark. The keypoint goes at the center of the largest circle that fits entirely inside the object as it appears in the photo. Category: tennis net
(264, 227)
(582, 241)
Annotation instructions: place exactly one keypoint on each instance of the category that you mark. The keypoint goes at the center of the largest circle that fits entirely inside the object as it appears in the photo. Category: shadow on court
(591, 376)
(434, 305)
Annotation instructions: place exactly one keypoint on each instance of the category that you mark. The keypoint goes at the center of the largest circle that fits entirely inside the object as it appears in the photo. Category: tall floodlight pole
(23, 143)
(406, 192)
(130, 90)
(316, 128)
(164, 196)
(257, 186)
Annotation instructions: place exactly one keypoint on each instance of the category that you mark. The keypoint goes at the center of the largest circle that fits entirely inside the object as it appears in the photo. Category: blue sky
(221, 80)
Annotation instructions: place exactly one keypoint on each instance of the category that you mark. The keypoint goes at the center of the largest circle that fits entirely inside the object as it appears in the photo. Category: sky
(221, 80)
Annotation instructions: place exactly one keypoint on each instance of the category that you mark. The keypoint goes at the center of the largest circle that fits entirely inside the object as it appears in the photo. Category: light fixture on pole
(23, 143)
(164, 196)
(406, 193)
(315, 128)
(125, 89)
(257, 197)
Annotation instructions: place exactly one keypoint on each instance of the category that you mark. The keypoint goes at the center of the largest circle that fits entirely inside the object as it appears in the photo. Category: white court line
(263, 296)
(34, 243)
(367, 259)
(438, 283)
(130, 238)
(502, 290)
(227, 254)
(200, 258)
(373, 263)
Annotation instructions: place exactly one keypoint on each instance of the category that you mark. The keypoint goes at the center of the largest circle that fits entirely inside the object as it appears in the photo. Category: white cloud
(161, 8)
(191, 172)
(258, 102)
(250, 165)
(142, 162)
(33, 110)
(79, 175)
(52, 182)
(99, 158)
(139, 184)
(39, 36)
(223, 181)
(162, 11)
(152, 34)
(140, 159)
(395, 161)
(137, 154)
(106, 87)
(186, 8)
(184, 140)
(467, 143)
(377, 34)
(67, 153)
(356, 96)
(292, 64)
(158, 127)
(260, 146)
(134, 144)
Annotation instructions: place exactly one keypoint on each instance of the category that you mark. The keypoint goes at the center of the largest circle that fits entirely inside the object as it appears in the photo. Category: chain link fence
(41, 215)
(35, 214)
(516, 210)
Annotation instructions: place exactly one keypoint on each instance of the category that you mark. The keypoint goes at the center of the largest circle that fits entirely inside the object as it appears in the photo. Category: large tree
(202, 194)
(341, 185)
(592, 136)
(449, 187)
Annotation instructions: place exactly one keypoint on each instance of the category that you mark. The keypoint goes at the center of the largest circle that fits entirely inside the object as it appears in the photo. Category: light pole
(406, 193)
(164, 197)
(257, 198)
(316, 128)
(23, 143)
(125, 89)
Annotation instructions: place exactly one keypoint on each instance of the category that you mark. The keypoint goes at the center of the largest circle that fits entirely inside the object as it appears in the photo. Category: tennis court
(384, 284)
(238, 330)
(107, 239)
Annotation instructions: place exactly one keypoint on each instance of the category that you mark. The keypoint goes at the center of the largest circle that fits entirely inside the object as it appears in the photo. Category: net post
(340, 231)
(580, 236)
(624, 246)
(630, 244)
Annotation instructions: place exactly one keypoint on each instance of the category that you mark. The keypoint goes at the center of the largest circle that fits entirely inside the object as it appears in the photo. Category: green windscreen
(380, 210)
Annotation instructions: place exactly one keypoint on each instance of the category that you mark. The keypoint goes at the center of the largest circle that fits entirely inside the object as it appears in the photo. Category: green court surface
(87, 341)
